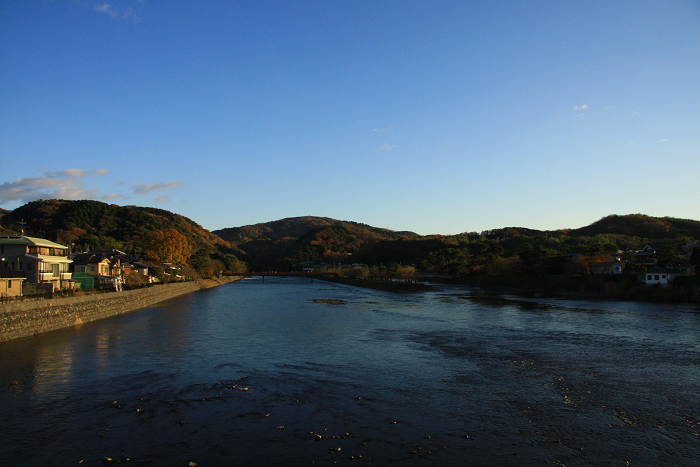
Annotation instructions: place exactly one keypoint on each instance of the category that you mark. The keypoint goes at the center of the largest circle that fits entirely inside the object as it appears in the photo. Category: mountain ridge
(86, 223)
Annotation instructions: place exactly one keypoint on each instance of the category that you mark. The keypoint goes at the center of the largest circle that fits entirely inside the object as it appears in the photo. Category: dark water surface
(258, 374)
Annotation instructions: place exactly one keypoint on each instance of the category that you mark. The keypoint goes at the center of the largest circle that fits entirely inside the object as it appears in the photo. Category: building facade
(43, 261)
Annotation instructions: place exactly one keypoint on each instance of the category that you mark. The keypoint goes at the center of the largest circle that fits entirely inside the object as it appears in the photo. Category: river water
(253, 373)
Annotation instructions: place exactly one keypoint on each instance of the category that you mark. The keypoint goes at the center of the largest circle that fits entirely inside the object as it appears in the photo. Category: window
(656, 277)
(648, 277)
(663, 276)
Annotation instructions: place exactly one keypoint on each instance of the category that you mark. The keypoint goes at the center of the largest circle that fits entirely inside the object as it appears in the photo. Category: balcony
(47, 277)
(66, 276)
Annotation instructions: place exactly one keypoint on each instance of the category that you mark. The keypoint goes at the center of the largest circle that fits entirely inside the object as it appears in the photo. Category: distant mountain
(93, 224)
(296, 227)
(640, 225)
(288, 241)
(269, 242)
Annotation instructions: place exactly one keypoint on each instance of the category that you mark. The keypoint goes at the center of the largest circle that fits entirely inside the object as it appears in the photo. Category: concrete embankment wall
(23, 319)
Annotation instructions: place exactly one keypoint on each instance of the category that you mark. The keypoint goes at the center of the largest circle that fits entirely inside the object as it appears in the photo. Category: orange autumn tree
(167, 247)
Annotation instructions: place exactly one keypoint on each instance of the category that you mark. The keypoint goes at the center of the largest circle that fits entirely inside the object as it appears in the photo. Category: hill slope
(640, 225)
(93, 224)
(269, 242)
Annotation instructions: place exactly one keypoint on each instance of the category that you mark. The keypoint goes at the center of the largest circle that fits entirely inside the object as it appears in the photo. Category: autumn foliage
(168, 246)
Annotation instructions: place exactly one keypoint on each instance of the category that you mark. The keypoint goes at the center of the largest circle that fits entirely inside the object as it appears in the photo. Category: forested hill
(92, 224)
(269, 243)
(286, 242)
(296, 227)
(639, 225)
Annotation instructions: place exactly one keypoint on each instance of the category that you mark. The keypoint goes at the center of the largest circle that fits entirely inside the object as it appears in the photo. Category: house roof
(22, 240)
(663, 270)
(107, 252)
(7, 273)
(89, 258)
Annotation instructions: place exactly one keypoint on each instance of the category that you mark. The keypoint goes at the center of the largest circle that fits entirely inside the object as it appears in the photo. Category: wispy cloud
(119, 9)
(581, 107)
(162, 199)
(105, 8)
(76, 173)
(62, 185)
(387, 147)
(382, 130)
(663, 140)
(112, 196)
(141, 189)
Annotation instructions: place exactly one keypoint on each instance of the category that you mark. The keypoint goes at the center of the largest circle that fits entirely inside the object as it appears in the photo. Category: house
(606, 268)
(134, 266)
(93, 264)
(100, 268)
(649, 255)
(11, 282)
(45, 263)
(115, 257)
(662, 276)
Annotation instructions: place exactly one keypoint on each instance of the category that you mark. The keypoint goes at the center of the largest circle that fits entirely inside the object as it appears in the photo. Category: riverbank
(578, 288)
(23, 319)
(217, 281)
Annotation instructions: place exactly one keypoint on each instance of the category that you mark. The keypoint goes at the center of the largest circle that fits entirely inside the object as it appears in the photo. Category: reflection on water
(252, 373)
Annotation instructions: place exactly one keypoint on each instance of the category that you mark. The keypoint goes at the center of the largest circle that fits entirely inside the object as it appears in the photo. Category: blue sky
(430, 116)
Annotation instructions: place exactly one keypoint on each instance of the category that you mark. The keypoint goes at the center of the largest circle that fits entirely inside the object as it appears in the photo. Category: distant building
(662, 276)
(606, 268)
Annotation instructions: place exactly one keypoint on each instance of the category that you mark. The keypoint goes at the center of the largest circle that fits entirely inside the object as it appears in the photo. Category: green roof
(20, 240)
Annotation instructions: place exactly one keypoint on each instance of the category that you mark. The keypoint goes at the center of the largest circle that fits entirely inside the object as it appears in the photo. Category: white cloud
(120, 9)
(162, 199)
(61, 185)
(32, 189)
(581, 107)
(382, 130)
(387, 147)
(140, 189)
(105, 8)
(663, 140)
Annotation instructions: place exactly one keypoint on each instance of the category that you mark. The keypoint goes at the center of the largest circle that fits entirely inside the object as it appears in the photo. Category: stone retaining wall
(23, 319)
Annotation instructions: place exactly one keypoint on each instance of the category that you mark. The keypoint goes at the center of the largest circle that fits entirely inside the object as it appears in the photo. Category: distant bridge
(308, 274)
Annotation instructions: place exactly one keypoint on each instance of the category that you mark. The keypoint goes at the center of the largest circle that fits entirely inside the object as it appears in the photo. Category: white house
(663, 276)
(43, 261)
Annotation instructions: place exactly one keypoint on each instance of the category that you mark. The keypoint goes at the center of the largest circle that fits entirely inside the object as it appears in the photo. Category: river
(253, 373)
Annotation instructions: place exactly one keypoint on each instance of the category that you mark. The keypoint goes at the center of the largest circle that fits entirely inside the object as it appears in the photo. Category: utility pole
(21, 227)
